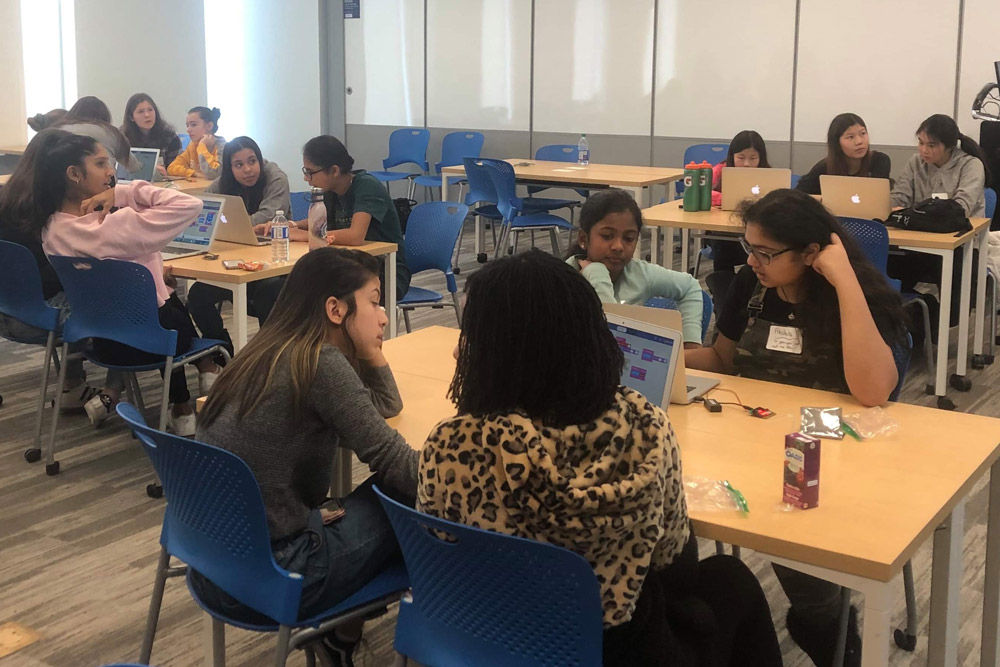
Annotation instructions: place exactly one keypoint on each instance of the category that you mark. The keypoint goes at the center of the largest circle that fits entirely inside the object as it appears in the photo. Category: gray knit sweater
(292, 456)
(276, 196)
(962, 178)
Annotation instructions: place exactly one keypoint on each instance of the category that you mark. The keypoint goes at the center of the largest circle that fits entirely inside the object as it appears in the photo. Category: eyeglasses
(764, 258)
(307, 172)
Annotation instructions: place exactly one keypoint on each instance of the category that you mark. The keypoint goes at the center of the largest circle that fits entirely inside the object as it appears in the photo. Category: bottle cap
(277, 213)
(691, 165)
(704, 165)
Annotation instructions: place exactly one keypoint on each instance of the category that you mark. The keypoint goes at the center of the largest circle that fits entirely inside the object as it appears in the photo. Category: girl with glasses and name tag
(808, 310)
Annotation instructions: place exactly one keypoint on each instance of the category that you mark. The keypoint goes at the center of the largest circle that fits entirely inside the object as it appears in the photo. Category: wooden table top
(199, 268)
(672, 214)
(879, 499)
(592, 174)
(4, 178)
(185, 185)
(12, 150)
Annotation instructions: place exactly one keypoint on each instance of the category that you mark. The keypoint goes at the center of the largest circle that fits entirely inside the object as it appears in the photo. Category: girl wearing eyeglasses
(808, 309)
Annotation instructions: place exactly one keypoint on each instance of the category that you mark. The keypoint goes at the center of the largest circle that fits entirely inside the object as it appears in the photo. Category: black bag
(943, 216)
(403, 208)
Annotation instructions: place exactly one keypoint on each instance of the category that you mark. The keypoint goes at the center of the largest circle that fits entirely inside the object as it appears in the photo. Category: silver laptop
(235, 225)
(197, 237)
(685, 387)
(856, 196)
(146, 157)
(739, 183)
(651, 354)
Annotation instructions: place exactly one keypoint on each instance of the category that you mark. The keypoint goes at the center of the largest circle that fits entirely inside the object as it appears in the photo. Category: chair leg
(168, 369)
(845, 612)
(531, 234)
(155, 603)
(51, 465)
(736, 551)
(215, 641)
(43, 389)
(55, 358)
(928, 344)
(281, 651)
(406, 319)
(911, 605)
(458, 249)
(400, 660)
(554, 237)
(517, 237)
(720, 548)
(137, 392)
(458, 307)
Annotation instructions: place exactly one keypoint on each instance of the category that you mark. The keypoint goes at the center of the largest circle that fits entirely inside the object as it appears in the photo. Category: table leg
(944, 320)
(444, 187)
(239, 316)
(875, 634)
(990, 656)
(946, 584)
(667, 234)
(963, 317)
(978, 360)
(685, 241)
(390, 294)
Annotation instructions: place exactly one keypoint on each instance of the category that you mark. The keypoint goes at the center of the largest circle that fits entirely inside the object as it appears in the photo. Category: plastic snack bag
(871, 423)
(709, 495)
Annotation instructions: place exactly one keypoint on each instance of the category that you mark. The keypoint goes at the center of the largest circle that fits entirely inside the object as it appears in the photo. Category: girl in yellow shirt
(202, 156)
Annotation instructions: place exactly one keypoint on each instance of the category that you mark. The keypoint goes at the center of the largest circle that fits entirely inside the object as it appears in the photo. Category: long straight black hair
(836, 161)
(228, 185)
(161, 135)
(49, 187)
(744, 140)
(598, 206)
(17, 198)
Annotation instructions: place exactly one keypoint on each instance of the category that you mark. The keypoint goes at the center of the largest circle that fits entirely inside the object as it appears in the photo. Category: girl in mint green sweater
(610, 223)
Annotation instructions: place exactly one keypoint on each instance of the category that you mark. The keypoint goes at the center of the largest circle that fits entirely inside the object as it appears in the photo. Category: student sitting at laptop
(576, 460)
(610, 223)
(74, 196)
(90, 117)
(145, 128)
(847, 154)
(808, 310)
(201, 157)
(263, 187)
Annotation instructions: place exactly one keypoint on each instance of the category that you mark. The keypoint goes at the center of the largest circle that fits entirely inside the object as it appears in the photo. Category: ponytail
(970, 146)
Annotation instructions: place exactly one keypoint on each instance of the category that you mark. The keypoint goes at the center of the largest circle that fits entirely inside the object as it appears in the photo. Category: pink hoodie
(147, 220)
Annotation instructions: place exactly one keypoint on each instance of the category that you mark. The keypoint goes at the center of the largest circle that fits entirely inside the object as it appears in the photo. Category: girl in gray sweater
(312, 380)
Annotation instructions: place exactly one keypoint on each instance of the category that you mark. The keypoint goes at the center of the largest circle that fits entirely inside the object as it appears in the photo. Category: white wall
(13, 130)
(125, 47)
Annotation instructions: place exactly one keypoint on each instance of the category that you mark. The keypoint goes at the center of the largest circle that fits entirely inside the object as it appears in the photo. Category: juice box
(801, 471)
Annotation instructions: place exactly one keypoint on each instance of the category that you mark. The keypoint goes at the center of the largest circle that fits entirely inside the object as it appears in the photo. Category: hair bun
(216, 113)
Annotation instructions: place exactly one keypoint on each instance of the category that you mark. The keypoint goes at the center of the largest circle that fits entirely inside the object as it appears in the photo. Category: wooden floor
(77, 550)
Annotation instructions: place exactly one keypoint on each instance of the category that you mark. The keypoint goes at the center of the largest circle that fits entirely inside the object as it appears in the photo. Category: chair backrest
(505, 182)
(990, 195)
(795, 180)
(113, 299)
(487, 598)
(301, 201)
(481, 188)
(185, 140)
(408, 146)
(215, 520)
(711, 153)
(872, 236)
(458, 145)
(670, 304)
(431, 234)
(21, 294)
(557, 153)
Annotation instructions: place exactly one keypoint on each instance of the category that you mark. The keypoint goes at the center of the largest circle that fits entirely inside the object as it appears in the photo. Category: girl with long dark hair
(848, 153)
(144, 127)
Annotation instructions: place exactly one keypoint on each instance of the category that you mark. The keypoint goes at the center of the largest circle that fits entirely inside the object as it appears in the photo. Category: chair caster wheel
(52, 403)
(945, 403)
(1, 400)
(481, 258)
(981, 361)
(456, 270)
(929, 389)
(32, 455)
(905, 641)
(52, 468)
(154, 490)
(960, 382)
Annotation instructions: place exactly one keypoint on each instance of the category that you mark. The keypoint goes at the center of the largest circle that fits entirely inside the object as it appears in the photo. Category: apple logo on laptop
(755, 190)
(222, 217)
(855, 199)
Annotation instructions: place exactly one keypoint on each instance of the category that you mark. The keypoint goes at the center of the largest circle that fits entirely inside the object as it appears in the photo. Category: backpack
(403, 208)
(942, 216)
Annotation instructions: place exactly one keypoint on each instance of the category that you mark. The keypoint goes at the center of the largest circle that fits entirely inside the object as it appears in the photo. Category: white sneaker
(99, 408)
(206, 381)
(182, 425)
(77, 397)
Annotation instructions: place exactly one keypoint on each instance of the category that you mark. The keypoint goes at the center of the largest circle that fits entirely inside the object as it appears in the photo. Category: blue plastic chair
(990, 195)
(670, 304)
(795, 180)
(216, 524)
(711, 153)
(21, 298)
(454, 147)
(431, 236)
(517, 217)
(185, 140)
(116, 300)
(301, 201)
(406, 146)
(484, 598)
(558, 153)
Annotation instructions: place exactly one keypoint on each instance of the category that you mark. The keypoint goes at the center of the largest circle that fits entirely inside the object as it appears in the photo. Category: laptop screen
(199, 232)
(647, 361)
(147, 170)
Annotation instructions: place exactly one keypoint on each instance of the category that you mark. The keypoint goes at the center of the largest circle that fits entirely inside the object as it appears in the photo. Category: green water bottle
(705, 185)
(692, 191)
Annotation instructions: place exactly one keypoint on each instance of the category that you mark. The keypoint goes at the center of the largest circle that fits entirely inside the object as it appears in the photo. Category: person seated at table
(74, 195)
(263, 187)
(848, 153)
(201, 158)
(576, 460)
(91, 117)
(808, 310)
(610, 224)
(746, 150)
(144, 127)
(312, 380)
(357, 206)
(947, 163)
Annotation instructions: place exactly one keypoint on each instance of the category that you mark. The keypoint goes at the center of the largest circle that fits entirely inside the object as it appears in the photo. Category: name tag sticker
(785, 339)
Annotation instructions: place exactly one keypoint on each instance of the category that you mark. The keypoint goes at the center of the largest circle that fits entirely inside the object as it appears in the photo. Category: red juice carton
(801, 471)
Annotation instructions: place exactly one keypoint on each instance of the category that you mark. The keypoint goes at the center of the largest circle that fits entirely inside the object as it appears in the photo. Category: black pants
(173, 315)
(911, 268)
(814, 600)
(727, 255)
(204, 301)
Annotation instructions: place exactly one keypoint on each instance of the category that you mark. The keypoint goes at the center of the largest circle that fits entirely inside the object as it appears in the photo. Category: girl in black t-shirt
(848, 154)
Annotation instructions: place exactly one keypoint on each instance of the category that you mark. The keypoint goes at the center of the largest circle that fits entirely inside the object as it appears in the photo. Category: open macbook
(645, 321)
(739, 183)
(235, 225)
(855, 196)
(197, 237)
(146, 157)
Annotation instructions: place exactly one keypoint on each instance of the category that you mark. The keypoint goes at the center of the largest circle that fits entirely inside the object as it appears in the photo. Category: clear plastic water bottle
(583, 151)
(279, 238)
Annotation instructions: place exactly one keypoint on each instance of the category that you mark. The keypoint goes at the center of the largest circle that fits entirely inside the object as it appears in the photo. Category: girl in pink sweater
(82, 214)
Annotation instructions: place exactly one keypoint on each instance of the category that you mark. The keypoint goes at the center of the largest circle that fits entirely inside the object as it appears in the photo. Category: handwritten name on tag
(785, 339)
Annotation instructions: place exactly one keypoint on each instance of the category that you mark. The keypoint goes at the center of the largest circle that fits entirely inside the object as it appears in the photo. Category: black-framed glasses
(763, 257)
(309, 172)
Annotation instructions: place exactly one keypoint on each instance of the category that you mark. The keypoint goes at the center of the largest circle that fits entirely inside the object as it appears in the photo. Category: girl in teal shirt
(610, 223)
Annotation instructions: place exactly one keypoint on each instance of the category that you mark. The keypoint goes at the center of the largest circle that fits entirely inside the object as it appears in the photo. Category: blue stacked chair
(406, 146)
(431, 236)
(454, 147)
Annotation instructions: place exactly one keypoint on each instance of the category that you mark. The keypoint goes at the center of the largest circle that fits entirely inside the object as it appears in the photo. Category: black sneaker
(819, 641)
(341, 651)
